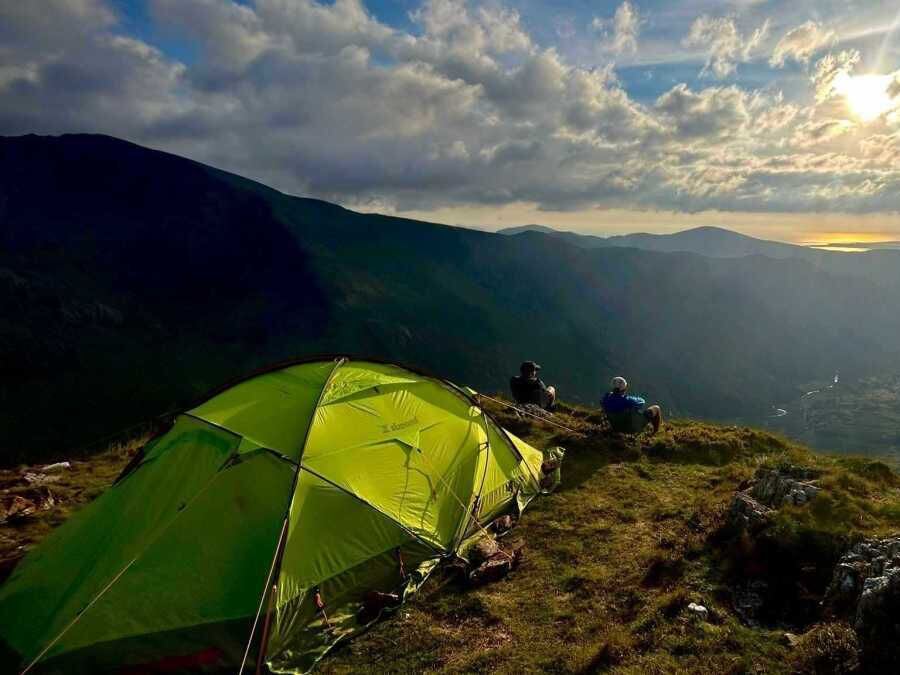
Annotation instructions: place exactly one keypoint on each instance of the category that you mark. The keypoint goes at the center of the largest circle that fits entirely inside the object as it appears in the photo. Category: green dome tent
(258, 525)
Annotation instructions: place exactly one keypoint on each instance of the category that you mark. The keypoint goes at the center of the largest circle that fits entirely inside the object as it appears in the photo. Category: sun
(867, 95)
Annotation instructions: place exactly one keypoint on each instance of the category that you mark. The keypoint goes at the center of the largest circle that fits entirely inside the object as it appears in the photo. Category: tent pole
(264, 639)
(273, 590)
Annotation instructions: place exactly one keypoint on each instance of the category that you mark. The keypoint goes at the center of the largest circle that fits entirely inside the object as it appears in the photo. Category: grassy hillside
(116, 260)
(635, 533)
(632, 537)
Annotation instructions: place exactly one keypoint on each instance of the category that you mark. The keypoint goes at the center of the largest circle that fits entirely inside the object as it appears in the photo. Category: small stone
(791, 640)
(699, 612)
(58, 466)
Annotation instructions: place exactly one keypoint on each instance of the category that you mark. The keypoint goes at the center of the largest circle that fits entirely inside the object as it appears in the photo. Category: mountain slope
(132, 280)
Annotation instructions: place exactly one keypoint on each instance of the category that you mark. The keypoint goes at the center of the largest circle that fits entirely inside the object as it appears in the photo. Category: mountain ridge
(880, 264)
(132, 280)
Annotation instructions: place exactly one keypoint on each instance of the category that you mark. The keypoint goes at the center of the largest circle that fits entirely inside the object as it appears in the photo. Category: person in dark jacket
(628, 414)
(528, 388)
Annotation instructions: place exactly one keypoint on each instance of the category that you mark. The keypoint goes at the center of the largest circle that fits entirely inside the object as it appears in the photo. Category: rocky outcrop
(758, 596)
(784, 486)
(863, 570)
(770, 489)
(746, 513)
(866, 587)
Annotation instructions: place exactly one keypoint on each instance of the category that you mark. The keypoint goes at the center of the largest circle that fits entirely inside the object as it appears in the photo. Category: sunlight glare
(867, 95)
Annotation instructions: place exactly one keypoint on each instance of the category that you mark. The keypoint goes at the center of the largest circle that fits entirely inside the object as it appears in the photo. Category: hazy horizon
(670, 223)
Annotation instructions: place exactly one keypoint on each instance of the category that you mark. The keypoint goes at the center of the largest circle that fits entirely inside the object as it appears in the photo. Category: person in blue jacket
(629, 414)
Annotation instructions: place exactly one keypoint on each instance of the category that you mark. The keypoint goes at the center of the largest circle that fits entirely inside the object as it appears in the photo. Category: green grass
(612, 559)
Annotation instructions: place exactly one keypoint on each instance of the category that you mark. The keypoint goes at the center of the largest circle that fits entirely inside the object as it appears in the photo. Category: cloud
(893, 89)
(710, 113)
(801, 43)
(724, 44)
(68, 71)
(820, 131)
(625, 25)
(829, 68)
(234, 35)
(463, 108)
(883, 149)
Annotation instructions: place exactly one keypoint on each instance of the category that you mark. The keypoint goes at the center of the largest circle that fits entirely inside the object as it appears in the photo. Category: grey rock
(748, 514)
(770, 489)
(778, 487)
(865, 586)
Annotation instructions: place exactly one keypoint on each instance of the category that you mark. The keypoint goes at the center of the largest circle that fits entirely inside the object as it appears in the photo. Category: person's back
(627, 414)
(527, 388)
(620, 402)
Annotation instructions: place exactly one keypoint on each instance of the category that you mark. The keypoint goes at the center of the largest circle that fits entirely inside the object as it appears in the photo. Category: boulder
(865, 586)
(770, 489)
(868, 559)
(784, 486)
(745, 513)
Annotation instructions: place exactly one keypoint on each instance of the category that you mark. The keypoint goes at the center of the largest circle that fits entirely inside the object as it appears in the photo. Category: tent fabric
(345, 477)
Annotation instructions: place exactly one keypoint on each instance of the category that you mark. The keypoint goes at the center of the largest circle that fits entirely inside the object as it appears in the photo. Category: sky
(776, 119)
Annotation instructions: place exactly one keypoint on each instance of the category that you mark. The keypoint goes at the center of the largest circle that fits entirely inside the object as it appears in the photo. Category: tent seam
(279, 547)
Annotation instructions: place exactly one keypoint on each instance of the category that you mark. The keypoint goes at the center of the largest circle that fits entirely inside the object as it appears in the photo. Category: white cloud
(710, 113)
(801, 43)
(464, 109)
(829, 68)
(625, 25)
(234, 34)
(820, 131)
(723, 42)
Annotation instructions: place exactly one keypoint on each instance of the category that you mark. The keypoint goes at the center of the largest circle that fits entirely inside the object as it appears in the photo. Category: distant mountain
(131, 280)
(710, 241)
(881, 264)
(715, 242)
(529, 228)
